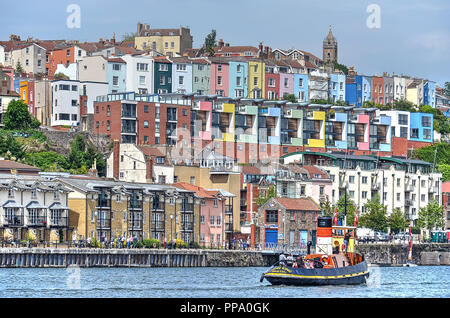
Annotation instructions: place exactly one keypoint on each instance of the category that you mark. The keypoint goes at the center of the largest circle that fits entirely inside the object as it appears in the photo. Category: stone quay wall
(379, 254)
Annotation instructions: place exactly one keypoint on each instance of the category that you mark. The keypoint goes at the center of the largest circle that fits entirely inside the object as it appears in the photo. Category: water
(236, 282)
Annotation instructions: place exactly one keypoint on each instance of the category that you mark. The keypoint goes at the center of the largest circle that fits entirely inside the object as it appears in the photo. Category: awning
(12, 204)
(35, 205)
(58, 206)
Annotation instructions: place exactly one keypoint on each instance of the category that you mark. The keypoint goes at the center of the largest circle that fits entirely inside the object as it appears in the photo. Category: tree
(442, 153)
(445, 170)
(47, 160)
(129, 37)
(210, 43)
(262, 199)
(19, 68)
(404, 105)
(17, 116)
(375, 217)
(61, 76)
(431, 216)
(290, 98)
(447, 88)
(345, 205)
(398, 221)
(11, 148)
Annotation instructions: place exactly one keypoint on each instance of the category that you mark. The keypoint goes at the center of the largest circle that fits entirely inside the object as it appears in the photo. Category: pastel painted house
(272, 83)
(286, 84)
(219, 77)
(201, 76)
(301, 87)
(336, 87)
(181, 75)
(238, 78)
(212, 207)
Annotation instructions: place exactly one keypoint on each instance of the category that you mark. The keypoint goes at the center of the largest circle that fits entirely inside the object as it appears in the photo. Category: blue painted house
(429, 94)
(116, 75)
(238, 79)
(301, 85)
(336, 87)
(421, 127)
(350, 93)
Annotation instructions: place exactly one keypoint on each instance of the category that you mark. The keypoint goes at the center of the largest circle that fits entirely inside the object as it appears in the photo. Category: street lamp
(171, 227)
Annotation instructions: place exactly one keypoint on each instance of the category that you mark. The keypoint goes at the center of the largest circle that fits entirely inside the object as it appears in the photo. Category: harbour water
(212, 282)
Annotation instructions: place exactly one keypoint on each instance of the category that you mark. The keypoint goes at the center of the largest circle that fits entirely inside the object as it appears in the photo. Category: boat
(334, 263)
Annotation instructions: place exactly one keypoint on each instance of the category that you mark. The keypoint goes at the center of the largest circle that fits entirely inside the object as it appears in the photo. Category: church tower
(330, 48)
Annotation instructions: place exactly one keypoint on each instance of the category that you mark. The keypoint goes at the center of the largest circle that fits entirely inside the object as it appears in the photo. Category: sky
(410, 37)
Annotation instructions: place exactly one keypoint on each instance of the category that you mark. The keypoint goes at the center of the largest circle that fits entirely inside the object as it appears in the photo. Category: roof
(116, 60)
(164, 32)
(247, 169)
(298, 204)
(446, 187)
(313, 170)
(13, 165)
(237, 49)
(151, 151)
(199, 191)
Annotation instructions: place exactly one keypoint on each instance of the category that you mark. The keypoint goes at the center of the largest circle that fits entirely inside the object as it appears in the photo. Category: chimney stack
(220, 43)
(116, 158)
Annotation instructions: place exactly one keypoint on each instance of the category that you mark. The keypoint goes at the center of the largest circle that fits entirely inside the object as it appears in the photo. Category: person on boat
(324, 260)
(346, 241)
(336, 247)
(295, 265)
(309, 264)
(290, 260)
(282, 259)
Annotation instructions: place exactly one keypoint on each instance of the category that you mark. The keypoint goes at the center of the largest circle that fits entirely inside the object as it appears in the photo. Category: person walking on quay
(89, 242)
(135, 241)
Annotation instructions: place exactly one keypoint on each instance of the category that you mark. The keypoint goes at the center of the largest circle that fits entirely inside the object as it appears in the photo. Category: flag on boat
(335, 220)
(410, 245)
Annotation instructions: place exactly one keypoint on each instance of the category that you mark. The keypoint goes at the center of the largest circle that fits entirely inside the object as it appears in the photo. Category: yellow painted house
(315, 127)
(24, 91)
(171, 42)
(256, 79)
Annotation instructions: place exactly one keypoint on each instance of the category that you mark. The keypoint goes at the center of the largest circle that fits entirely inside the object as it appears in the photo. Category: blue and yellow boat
(335, 262)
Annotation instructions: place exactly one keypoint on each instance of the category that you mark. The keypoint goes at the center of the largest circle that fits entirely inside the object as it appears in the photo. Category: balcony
(13, 220)
(224, 170)
(375, 186)
(37, 221)
(103, 204)
(409, 188)
(135, 224)
(59, 221)
(158, 226)
(103, 224)
(228, 209)
(409, 202)
(187, 207)
(187, 226)
(229, 227)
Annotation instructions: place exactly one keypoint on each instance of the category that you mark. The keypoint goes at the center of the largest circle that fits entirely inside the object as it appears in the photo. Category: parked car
(382, 237)
(402, 236)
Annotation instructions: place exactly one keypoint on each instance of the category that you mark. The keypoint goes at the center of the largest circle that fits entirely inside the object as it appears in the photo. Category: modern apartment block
(403, 184)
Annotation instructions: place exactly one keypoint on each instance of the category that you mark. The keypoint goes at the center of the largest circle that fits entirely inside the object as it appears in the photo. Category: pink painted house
(286, 84)
(212, 214)
(219, 77)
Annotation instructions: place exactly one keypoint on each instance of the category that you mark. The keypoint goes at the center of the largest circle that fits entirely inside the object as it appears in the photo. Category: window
(271, 82)
(255, 68)
(172, 45)
(116, 67)
(364, 194)
(300, 82)
(181, 80)
(218, 222)
(272, 216)
(145, 123)
(302, 190)
(219, 68)
(10, 193)
(427, 133)
(145, 139)
(414, 133)
(142, 67)
(351, 179)
(255, 81)
(115, 80)
(426, 121)
(219, 80)
(364, 180)
(238, 81)
(74, 102)
(141, 80)
(181, 67)
(286, 82)
(211, 220)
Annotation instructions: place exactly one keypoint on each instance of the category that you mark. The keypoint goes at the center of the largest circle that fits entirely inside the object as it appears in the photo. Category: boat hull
(349, 275)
